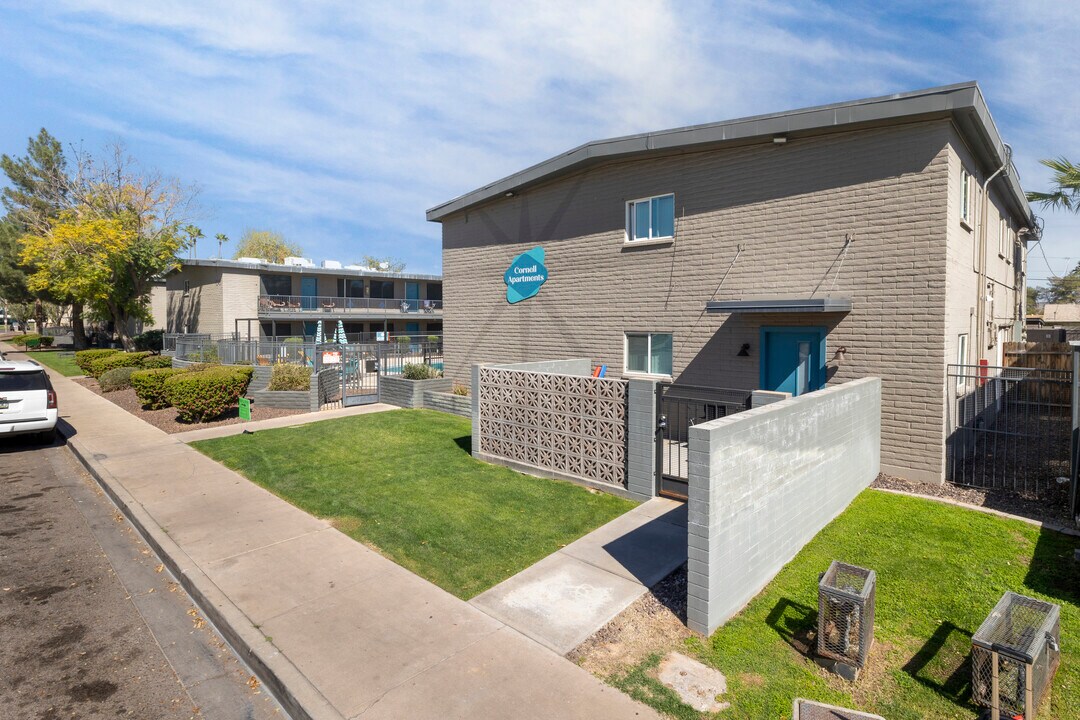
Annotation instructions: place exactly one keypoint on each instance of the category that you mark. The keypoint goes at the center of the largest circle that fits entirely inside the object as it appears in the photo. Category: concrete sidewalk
(566, 597)
(280, 422)
(334, 629)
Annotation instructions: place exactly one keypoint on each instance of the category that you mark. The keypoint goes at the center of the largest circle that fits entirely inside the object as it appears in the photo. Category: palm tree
(1066, 193)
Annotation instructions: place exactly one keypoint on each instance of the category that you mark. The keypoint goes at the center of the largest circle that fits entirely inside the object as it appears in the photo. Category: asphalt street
(91, 623)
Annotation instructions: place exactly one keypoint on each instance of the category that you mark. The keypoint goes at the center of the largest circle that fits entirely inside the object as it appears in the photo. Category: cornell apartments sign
(525, 275)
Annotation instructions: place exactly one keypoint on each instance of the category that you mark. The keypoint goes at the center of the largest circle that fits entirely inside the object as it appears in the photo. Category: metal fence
(323, 303)
(1010, 428)
(679, 408)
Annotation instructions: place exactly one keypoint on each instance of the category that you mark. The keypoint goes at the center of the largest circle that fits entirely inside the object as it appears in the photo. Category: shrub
(85, 358)
(433, 339)
(32, 340)
(118, 360)
(156, 361)
(208, 354)
(402, 340)
(45, 341)
(149, 340)
(460, 389)
(418, 371)
(116, 379)
(206, 394)
(284, 376)
(150, 386)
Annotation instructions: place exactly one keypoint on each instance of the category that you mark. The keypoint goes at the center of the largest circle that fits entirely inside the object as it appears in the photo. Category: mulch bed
(166, 419)
(1049, 510)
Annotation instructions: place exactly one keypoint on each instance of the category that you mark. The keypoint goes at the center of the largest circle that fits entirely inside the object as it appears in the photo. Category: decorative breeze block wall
(565, 423)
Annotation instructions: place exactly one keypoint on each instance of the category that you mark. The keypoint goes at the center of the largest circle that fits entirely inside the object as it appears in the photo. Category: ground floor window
(648, 353)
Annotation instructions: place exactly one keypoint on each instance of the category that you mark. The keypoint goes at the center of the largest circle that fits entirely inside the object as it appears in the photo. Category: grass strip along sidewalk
(940, 570)
(60, 361)
(404, 482)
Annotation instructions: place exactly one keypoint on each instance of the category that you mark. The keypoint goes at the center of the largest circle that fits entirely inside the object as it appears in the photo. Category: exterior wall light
(840, 355)
(509, 193)
(779, 139)
(744, 351)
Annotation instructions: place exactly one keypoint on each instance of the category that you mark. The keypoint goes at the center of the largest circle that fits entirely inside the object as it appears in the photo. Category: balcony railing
(322, 303)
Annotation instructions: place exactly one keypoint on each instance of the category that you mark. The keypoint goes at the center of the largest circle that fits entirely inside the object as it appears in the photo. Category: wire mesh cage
(846, 613)
(1014, 655)
(810, 710)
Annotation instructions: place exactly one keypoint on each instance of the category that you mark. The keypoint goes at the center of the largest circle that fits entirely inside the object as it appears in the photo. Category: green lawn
(404, 482)
(64, 365)
(940, 571)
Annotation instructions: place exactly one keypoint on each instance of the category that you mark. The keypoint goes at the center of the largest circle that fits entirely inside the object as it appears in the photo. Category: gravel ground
(166, 419)
(655, 622)
(1051, 510)
(91, 626)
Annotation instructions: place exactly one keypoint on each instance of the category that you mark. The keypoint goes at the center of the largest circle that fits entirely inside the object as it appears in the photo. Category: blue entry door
(792, 359)
(309, 289)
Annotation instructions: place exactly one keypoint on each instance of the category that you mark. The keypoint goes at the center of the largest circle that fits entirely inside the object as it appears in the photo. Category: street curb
(293, 691)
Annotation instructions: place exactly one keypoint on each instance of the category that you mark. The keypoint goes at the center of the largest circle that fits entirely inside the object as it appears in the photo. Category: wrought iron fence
(1010, 428)
(322, 303)
(403, 351)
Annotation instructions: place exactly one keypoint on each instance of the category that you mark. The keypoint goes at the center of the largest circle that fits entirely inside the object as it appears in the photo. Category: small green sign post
(245, 409)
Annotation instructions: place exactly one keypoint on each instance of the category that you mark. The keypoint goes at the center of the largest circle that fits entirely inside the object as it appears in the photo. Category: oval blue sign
(525, 275)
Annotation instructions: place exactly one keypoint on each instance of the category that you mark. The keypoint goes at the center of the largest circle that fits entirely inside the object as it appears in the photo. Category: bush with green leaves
(116, 379)
(150, 386)
(110, 362)
(206, 394)
(150, 340)
(32, 340)
(286, 376)
(156, 361)
(418, 371)
(85, 358)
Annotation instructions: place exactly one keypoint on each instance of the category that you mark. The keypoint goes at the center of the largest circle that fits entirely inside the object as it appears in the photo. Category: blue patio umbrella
(319, 333)
(339, 334)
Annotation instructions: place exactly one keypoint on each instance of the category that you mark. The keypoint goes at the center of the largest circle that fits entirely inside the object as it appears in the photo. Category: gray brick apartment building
(782, 251)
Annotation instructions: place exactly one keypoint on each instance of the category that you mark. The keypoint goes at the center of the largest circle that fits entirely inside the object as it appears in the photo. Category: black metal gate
(360, 373)
(1010, 428)
(680, 407)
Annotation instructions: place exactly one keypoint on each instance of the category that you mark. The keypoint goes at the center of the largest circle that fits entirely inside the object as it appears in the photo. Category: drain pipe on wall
(980, 307)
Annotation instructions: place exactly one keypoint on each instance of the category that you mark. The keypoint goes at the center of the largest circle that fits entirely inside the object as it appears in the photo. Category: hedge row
(122, 359)
(97, 362)
(150, 386)
(206, 394)
(84, 358)
(286, 376)
(32, 340)
(116, 379)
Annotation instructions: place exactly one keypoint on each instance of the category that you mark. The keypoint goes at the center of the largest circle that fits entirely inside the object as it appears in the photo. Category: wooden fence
(1043, 356)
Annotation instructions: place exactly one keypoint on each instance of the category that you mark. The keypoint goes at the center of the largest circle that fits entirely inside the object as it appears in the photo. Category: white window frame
(648, 354)
(967, 198)
(1003, 237)
(962, 361)
(629, 237)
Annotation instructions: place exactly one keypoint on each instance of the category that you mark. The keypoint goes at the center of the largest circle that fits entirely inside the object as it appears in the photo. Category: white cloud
(361, 116)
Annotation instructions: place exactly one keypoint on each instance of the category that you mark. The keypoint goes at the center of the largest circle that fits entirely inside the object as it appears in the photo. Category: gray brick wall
(448, 403)
(763, 482)
(790, 208)
(409, 393)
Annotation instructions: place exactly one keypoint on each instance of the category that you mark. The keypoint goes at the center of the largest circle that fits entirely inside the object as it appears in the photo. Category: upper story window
(276, 284)
(351, 287)
(967, 197)
(381, 288)
(1003, 237)
(650, 218)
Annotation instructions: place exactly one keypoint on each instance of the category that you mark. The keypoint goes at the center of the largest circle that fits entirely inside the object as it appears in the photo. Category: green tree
(384, 264)
(266, 244)
(1066, 191)
(1032, 299)
(38, 191)
(124, 229)
(1063, 290)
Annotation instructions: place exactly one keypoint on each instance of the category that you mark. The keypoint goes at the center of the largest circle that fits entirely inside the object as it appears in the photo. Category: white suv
(27, 400)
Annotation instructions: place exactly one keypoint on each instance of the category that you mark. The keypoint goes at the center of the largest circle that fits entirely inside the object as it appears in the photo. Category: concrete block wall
(765, 481)
(641, 439)
(409, 393)
(448, 403)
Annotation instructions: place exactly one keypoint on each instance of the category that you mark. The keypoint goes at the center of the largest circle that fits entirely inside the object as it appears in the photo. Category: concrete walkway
(566, 597)
(280, 422)
(334, 629)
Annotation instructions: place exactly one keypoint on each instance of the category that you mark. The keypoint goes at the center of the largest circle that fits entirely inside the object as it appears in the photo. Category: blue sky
(340, 123)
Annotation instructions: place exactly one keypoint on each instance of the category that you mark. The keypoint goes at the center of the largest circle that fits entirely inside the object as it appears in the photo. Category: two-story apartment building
(882, 237)
(256, 298)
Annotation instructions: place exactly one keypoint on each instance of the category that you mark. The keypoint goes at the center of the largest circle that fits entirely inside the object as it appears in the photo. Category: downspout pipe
(980, 307)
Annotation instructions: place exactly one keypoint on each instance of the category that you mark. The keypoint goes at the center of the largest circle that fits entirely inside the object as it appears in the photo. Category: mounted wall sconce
(509, 193)
(744, 351)
(841, 354)
(779, 139)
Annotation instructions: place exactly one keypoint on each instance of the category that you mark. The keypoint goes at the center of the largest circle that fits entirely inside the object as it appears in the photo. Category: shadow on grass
(943, 664)
(796, 624)
(465, 443)
(1053, 571)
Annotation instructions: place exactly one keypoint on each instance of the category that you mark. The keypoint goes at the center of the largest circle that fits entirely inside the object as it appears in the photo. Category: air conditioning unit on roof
(251, 260)
(298, 262)
(331, 265)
